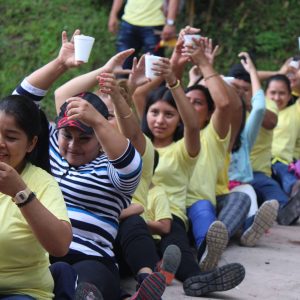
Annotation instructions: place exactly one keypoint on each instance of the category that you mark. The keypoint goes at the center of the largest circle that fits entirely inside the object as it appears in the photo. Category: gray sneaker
(263, 220)
(218, 280)
(170, 262)
(290, 211)
(216, 242)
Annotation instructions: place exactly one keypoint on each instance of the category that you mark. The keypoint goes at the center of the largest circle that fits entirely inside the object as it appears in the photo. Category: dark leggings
(135, 246)
(178, 236)
(101, 272)
(65, 278)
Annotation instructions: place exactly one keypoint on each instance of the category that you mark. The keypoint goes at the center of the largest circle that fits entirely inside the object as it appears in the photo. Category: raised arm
(128, 124)
(178, 60)
(255, 118)
(113, 143)
(44, 77)
(185, 108)
(264, 75)
(88, 81)
(221, 117)
(250, 68)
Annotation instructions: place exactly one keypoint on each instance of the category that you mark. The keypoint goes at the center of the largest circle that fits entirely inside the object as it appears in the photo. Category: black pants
(135, 247)
(65, 277)
(178, 236)
(101, 272)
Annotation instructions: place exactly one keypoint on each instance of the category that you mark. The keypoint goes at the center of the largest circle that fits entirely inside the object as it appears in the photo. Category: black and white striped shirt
(95, 193)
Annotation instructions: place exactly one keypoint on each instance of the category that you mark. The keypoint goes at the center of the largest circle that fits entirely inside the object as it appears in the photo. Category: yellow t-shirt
(157, 206)
(297, 146)
(173, 173)
(24, 263)
(144, 12)
(140, 195)
(261, 152)
(286, 133)
(211, 159)
(223, 179)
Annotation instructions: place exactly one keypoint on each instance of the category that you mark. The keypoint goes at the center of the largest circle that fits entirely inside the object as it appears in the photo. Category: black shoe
(220, 279)
(290, 211)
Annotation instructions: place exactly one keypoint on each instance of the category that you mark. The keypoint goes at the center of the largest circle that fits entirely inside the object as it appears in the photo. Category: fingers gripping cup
(149, 60)
(83, 46)
(188, 39)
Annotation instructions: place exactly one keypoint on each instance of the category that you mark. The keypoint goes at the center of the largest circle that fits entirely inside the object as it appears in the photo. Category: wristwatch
(22, 196)
(170, 22)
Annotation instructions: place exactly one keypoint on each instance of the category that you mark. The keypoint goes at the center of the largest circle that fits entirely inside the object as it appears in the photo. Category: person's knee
(200, 209)
(132, 227)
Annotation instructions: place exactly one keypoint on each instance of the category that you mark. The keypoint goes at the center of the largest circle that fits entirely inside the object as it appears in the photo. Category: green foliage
(268, 29)
(31, 31)
(30, 36)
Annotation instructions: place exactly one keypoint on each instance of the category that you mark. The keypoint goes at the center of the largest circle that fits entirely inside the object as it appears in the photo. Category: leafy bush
(31, 31)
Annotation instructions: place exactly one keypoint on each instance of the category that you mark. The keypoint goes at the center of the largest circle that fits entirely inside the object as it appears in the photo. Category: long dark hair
(33, 122)
(160, 94)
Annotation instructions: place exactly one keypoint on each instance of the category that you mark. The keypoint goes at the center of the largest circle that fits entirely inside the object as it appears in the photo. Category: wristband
(175, 86)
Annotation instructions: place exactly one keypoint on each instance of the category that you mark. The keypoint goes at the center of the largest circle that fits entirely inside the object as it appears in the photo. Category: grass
(31, 31)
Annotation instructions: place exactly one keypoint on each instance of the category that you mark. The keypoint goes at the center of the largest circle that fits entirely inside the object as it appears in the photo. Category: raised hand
(178, 59)
(67, 51)
(196, 52)
(114, 65)
(163, 68)
(247, 62)
(109, 86)
(209, 51)
(137, 76)
(82, 110)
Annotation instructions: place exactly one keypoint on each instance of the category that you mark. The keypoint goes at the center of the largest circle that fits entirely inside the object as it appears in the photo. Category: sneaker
(290, 211)
(87, 291)
(152, 288)
(218, 280)
(216, 242)
(170, 262)
(263, 221)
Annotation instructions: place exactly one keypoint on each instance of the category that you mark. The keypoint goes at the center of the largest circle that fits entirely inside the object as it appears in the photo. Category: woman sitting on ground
(33, 214)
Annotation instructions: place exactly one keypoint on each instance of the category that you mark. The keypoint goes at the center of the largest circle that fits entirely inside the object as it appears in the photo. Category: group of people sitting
(143, 177)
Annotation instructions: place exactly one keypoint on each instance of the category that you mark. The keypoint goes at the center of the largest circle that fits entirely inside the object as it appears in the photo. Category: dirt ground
(272, 269)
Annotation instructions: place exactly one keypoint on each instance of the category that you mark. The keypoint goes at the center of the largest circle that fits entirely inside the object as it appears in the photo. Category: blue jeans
(283, 176)
(201, 215)
(267, 188)
(16, 297)
(141, 38)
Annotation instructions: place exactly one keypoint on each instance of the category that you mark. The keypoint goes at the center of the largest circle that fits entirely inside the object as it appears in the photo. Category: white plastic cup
(149, 60)
(83, 47)
(294, 64)
(188, 39)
